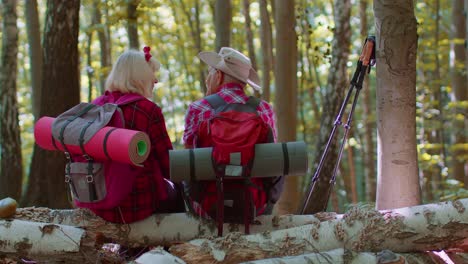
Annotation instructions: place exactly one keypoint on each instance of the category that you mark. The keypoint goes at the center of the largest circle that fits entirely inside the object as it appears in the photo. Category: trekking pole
(366, 60)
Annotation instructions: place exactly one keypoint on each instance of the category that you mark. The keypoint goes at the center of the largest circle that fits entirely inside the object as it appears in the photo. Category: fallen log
(44, 241)
(163, 229)
(346, 256)
(412, 229)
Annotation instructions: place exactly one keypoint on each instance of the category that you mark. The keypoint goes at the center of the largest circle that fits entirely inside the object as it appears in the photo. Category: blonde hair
(132, 73)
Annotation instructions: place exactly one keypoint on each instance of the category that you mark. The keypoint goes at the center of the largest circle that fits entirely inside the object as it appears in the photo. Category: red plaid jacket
(201, 110)
(149, 189)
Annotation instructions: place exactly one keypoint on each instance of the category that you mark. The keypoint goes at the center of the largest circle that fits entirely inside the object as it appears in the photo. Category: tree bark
(223, 16)
(413, 229)
(286, 94)
(11, 168)
(267, 48)
(104, 43)
(43, 241)
(346, 256)
(35, 53)
(460, 87)
(337, 81)
(369, 117)
(132, 24)
(61, 91)
(398, 183)
(79, 232)
(160, 229)
(250, 37)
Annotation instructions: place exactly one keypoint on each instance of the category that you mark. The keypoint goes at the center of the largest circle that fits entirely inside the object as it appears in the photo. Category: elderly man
(229, 71)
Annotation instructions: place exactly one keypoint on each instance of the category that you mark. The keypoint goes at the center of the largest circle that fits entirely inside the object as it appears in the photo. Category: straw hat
(234, 63)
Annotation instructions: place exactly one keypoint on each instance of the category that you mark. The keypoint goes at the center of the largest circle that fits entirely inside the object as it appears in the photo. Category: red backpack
(234, 197)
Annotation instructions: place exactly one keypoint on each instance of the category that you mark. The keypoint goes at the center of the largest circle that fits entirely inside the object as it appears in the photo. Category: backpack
(94, 184)
(234, 197)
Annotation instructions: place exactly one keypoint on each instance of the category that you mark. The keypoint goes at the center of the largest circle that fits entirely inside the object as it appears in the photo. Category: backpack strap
(254, 102)
(215, 101)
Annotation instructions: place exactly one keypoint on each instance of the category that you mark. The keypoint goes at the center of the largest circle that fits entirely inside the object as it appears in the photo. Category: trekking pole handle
(368, 52)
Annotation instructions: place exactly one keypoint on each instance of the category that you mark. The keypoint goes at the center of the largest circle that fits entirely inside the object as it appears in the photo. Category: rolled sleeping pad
(109, 143)
(271, 159)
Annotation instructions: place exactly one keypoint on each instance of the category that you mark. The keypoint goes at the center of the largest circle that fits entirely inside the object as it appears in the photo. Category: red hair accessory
(146, 50)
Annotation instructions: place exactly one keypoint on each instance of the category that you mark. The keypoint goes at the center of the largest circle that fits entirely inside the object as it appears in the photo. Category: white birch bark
(42, 241)
(345, 256)
(158, 255)
(163, 229)
(411, 229)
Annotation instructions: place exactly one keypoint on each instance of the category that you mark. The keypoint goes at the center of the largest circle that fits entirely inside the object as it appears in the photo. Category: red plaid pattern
(149, 186)
(201, 110)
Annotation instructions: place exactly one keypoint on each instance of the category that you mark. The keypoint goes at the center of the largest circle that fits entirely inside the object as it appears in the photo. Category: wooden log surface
(411, 229)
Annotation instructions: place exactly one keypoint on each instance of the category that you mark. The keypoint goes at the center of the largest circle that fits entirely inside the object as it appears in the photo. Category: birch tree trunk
(412, 229)
(397, 180)
(11, 168)
(460, 87)
(35, 52)
(337, 82)
(286, 94)
(346, 256)
(78, 232)
(160, 229)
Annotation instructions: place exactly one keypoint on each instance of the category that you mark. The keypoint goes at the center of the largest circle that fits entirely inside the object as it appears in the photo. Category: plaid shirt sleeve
(196, 112)
(268, 115)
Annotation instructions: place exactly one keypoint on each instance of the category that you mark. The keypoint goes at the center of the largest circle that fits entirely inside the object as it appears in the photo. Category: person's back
(134, 72)
(229, 72)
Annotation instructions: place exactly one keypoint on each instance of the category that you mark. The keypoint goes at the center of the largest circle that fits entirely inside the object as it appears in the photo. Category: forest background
(324, 47)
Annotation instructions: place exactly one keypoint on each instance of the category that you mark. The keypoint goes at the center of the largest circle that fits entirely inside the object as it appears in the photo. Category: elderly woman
(134, 75)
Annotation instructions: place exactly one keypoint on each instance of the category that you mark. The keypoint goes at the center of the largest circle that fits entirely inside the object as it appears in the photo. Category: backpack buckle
(89, 178)
(87, 157)
(67, 178)
(67, 155)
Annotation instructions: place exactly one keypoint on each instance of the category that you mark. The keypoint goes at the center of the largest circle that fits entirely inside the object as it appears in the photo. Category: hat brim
(213, 59)
(209, 57)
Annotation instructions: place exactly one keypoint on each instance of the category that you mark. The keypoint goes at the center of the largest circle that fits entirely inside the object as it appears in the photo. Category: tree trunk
(132, 24)
(460, 87)
(196, 32)
(11, 168)
(369, 124)
(45, 242)
(160, 229)
(250, 37)
(89, 69)
(337, 81)
(267, 48)
(286, 94)
(223, 16)
(414, 229)
(61, 91)
(35, 53)
(398, 183)
(351, 257)
(104, 43)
